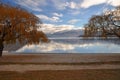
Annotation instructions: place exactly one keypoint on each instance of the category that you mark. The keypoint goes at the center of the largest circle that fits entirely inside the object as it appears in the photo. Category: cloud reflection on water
(74, 46)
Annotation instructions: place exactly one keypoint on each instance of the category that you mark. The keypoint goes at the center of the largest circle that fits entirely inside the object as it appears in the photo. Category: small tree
(17, 24)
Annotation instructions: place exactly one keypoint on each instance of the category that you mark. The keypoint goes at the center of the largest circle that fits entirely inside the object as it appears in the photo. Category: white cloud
(50, 19)
(55, 19)
(89, 3)
(73, 21)
(57, 14)
(59, 4)
(72, 5)
(114, 2)
(43, 17)
(51, 28)
(32, 4)
(63, 4)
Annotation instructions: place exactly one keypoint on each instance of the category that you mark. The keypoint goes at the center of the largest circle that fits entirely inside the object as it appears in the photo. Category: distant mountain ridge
(67, 33)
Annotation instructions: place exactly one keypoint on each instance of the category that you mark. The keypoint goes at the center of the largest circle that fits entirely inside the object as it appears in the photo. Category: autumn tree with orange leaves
(18, 25)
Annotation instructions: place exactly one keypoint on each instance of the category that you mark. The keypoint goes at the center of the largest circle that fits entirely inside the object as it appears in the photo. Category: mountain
(52, 30)
(67, 33)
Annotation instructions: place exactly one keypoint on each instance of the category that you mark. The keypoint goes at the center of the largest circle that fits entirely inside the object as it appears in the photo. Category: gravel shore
(106, 65)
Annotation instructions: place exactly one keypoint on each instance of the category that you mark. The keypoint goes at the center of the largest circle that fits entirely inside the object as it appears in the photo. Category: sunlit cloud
(89, 3)
(52, 28)
(50, 19)
(72, 5)
(114, 2)
(58, 15)
(64, 4)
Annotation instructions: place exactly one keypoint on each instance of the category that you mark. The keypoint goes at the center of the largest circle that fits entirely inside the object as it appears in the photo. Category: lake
(74, 45)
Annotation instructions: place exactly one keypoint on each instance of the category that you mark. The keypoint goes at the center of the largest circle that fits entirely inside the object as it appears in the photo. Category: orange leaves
(19, 24)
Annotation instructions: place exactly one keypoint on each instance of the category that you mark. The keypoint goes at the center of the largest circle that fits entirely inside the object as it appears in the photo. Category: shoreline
(60, 66)
(42, 53)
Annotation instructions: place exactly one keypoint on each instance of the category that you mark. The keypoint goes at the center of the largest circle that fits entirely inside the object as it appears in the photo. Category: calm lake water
(74, 46)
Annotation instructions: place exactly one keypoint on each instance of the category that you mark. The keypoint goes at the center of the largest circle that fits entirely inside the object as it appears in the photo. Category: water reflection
(74, 46)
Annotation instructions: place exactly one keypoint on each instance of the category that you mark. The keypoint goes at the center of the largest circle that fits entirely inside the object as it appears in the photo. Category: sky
(65, 13)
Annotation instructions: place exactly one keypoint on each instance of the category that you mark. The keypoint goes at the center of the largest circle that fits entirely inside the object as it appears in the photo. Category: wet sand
(60, 66)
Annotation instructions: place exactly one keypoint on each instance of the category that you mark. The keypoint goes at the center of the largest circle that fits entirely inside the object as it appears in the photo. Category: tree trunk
(1, 47)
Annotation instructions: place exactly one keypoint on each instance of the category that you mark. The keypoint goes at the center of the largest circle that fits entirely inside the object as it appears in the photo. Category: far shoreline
(42, 53)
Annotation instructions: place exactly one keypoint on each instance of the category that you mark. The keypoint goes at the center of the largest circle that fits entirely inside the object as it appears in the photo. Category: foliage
(103, 25)
(17, 24)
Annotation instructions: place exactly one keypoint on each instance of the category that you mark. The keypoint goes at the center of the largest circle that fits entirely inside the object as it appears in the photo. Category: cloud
(51, 28)
(50, 19)
(32, 4)
(114, 2)
(73, 21)
(77, 4)
(72, 5)
(64, 4)
(55, 19)
(59, 4)
(89, 3)
(57, 14)
(44, 17)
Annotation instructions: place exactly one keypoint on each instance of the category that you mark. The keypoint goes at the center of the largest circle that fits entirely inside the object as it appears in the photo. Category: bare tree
(104, 25)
